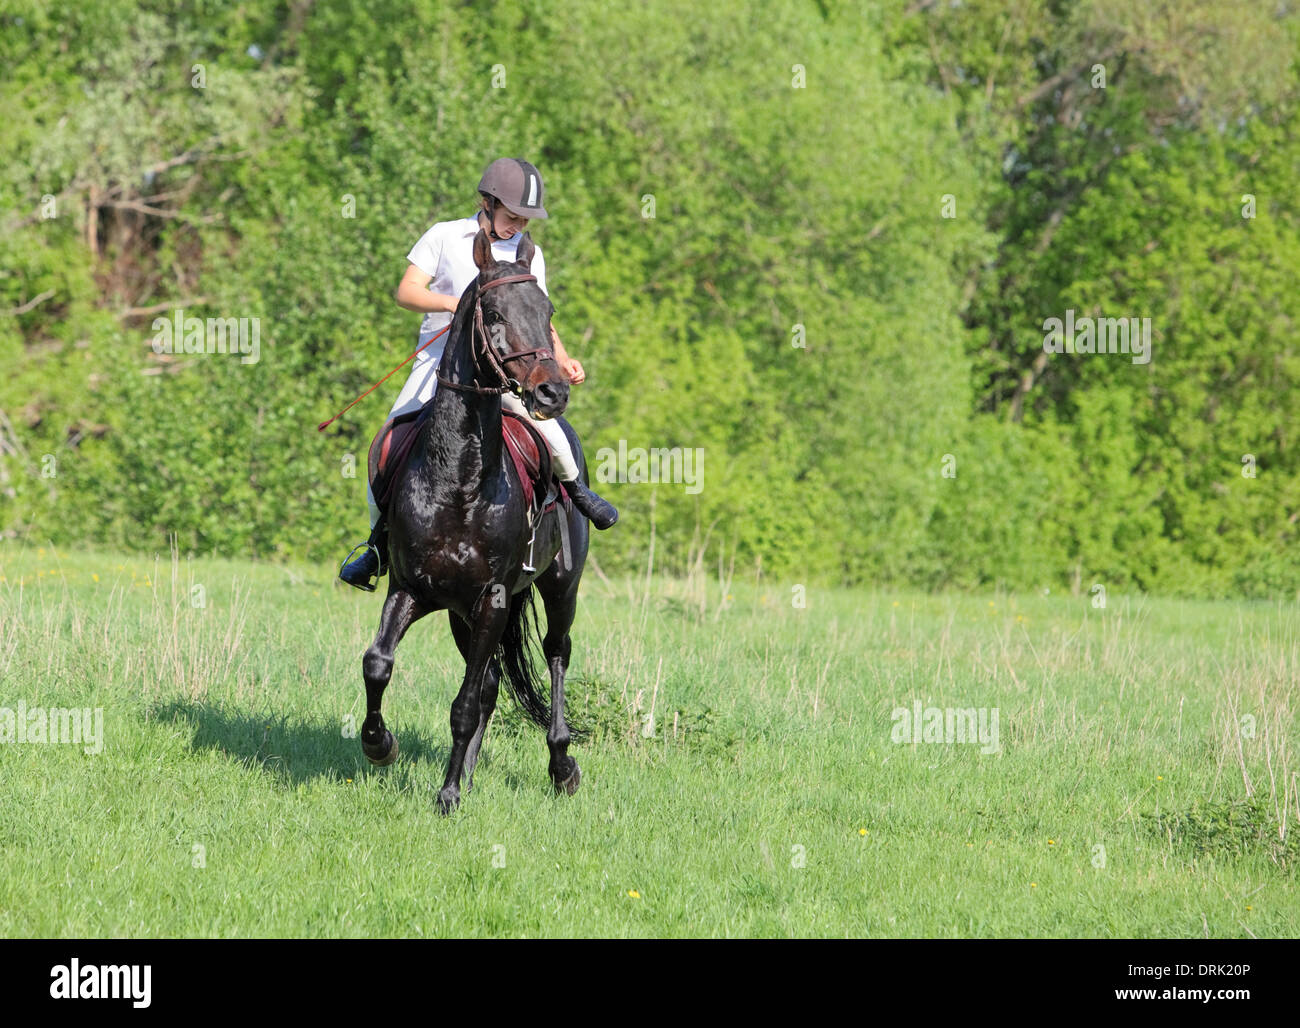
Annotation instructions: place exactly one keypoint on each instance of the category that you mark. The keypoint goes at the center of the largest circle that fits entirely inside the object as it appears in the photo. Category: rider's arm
(413, 293)
(571, 367)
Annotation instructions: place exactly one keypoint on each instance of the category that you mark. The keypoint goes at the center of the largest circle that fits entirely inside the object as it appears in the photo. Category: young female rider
(441, 268)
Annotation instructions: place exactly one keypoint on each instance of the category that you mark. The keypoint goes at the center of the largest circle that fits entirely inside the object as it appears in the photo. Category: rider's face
(507, 224)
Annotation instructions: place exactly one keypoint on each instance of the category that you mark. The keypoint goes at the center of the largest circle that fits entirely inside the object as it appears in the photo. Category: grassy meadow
(740, 779)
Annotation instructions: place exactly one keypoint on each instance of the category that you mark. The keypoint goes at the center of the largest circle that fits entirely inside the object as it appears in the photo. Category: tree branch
(159, 212)
(1025, 384)
(1045, 87)
(158, 308)
(31, 304)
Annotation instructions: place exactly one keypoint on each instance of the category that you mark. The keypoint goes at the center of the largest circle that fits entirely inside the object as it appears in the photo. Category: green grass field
(765, 798)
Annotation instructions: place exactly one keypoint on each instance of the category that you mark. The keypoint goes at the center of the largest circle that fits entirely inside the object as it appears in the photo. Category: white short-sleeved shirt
(446, 252)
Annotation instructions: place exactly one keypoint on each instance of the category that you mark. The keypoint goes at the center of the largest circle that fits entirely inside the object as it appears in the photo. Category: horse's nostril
(551, 393)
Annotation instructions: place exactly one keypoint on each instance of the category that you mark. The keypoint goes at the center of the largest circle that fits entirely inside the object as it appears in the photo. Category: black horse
(459, 531)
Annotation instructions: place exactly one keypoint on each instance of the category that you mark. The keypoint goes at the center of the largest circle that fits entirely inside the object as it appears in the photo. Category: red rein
(325, 424)
(485, 286)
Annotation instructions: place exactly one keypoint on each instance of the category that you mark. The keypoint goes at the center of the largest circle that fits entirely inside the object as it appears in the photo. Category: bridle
(497, 364)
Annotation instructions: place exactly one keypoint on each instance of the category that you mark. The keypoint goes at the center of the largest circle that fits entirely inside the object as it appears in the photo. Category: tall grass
(741, 777)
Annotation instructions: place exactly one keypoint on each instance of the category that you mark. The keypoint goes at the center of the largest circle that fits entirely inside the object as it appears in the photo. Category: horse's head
(517, 329)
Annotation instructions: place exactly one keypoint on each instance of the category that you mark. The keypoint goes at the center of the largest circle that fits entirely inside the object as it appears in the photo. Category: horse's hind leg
(559, 591)
(400, 612)
(487, 696)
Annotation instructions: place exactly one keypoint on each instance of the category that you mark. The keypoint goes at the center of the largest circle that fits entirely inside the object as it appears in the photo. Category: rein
(326, 424)
(478, 332)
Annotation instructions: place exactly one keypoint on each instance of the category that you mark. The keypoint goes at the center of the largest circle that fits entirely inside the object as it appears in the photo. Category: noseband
(479, 345)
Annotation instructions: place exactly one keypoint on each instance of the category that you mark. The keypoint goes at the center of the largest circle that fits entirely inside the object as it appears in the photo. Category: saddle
(391, 449)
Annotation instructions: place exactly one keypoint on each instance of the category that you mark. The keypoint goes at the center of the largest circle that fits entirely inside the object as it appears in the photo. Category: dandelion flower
(634, 894)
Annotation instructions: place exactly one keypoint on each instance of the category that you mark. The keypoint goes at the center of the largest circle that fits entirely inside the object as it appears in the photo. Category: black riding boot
(600, 513)
(373, 562)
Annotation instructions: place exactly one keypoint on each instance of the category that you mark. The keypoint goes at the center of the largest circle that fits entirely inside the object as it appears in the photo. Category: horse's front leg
(487, 696)
(560, 597)
(487, 623)
(400, 611)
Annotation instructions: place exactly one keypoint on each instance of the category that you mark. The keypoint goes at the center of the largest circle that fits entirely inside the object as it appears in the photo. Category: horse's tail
(519, 651)
(520, 644)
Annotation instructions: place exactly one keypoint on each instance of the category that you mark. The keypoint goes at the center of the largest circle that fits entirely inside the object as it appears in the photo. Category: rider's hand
(573, 369)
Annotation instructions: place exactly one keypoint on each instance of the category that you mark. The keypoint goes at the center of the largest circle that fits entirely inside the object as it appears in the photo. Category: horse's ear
(524, 255)
(483, 251)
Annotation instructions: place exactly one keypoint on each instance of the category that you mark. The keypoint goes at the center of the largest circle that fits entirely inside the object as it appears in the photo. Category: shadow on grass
(289, 749)
(295, 751)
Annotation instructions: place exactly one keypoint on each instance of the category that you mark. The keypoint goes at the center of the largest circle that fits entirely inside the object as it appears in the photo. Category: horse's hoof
(570, 785)
(385, 753)
(448, 800)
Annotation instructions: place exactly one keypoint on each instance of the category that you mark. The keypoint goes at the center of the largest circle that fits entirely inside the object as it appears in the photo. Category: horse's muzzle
(547, 400)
